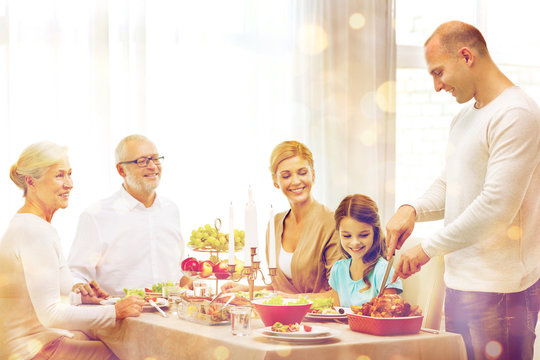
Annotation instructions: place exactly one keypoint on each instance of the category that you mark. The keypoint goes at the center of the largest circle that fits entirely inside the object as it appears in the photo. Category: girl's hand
(129, 306)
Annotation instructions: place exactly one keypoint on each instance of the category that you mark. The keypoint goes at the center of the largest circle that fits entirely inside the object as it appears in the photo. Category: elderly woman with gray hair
(36, 320)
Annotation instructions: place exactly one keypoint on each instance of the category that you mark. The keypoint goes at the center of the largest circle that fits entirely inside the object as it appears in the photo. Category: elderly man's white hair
(121, 148)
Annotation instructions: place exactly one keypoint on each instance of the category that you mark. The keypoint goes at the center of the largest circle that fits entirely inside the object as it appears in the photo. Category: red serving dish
(285, 314)
(385, 326)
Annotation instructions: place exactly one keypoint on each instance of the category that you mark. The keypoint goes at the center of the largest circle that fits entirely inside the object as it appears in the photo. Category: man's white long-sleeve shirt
(489, 196)
(122, 244)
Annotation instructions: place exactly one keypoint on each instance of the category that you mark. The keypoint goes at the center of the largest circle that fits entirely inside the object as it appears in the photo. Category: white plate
(316, 331)
(329, 316)
(160, 302)
(307, 339)
(110, 301)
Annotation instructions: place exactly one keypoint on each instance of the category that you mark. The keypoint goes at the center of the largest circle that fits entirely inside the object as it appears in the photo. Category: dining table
(152, 336)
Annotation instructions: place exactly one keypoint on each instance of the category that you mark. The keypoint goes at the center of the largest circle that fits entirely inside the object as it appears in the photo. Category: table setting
(247, 332)
(205, 324)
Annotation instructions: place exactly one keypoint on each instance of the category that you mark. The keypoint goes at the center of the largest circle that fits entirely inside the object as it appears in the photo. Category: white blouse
(285, 260)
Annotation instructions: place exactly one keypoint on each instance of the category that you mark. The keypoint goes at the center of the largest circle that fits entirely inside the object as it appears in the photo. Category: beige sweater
(318, 249)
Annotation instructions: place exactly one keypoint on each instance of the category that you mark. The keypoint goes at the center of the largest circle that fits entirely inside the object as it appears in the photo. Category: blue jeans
(494, 325)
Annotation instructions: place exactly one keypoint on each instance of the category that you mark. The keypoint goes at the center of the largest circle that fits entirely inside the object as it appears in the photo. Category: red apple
(205, 268)
(221, 270)
(190, 264)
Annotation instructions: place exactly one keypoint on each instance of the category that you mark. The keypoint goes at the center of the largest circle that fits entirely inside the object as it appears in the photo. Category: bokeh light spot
(34, 346)
(284, 351)
(368, 105)
(357, 21)
(493, 349)
(363, 357)
(514, 232)
(150, 358)
(221, 353)
(368, 137)
(390, 186)
(312, 39)
(386, 96)
(15, 357)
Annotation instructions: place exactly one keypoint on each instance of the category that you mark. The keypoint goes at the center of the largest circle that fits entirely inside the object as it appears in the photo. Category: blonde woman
(35, 322)
(307, 244)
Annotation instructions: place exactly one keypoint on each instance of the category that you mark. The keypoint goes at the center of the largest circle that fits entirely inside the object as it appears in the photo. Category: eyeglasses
(145, 160)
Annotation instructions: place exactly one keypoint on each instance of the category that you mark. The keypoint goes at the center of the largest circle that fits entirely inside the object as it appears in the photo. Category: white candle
(272, 240)
(251, 222)
(247, 254)
(231, 235)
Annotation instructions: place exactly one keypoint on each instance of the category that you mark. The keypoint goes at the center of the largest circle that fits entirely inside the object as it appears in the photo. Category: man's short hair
(121, 148)
(454, 35)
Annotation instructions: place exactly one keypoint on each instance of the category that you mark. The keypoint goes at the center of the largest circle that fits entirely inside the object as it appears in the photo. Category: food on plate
(216, 312)
(322, 306)
(387, 306)
(278, 300)
(201, 309)
(207, 237)
(140, 292)
(134, 291)
(279, 327)
(158, 288)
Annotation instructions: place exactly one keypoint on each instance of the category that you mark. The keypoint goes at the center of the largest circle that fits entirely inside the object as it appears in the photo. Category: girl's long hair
(363, 209)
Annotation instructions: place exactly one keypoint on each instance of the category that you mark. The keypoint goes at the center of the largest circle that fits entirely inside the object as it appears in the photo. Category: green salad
(159, 286)
(138, 292)
(318, 304)
(278, 300)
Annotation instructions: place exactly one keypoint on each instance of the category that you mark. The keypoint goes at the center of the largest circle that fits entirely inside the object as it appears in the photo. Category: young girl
(358, 278)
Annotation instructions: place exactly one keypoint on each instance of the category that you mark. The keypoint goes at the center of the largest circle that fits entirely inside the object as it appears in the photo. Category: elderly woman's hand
(129, 306)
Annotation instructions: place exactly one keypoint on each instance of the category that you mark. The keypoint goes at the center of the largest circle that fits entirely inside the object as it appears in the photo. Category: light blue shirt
(349, 290)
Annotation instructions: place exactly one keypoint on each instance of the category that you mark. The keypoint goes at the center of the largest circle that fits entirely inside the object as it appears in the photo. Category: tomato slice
(307, 328)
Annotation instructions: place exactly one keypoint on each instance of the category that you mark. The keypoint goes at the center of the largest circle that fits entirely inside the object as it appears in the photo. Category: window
(423, 116)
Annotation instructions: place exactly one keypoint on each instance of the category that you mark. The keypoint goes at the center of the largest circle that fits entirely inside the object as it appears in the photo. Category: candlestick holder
(251, 273)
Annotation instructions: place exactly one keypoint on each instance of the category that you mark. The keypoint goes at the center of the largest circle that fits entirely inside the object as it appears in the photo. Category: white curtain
(346, 89)
(216, 84)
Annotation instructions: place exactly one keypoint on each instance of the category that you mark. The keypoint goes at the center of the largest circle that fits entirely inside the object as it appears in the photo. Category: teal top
(349, 290)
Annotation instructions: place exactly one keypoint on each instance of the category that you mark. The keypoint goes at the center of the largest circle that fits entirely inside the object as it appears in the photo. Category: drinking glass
(172, 294)
(240, 320)
(200, 288)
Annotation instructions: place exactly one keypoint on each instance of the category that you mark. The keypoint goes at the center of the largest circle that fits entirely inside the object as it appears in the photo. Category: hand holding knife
(386, 273)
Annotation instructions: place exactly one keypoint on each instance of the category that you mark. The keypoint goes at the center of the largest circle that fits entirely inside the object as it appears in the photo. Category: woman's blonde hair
(287, 150)
(34, 161)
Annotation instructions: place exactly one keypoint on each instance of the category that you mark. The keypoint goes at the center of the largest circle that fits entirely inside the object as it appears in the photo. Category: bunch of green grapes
(208, 237)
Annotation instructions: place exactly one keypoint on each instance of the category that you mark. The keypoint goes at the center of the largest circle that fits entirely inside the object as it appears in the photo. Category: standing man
(489, 197)
(131, 239)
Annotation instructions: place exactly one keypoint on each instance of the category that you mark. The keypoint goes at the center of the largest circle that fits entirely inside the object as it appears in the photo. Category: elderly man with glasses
(131, 239)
